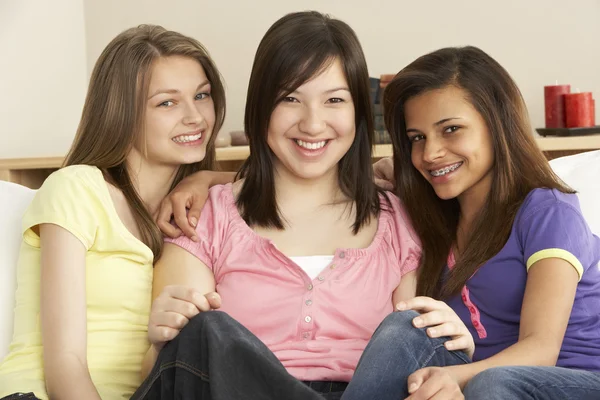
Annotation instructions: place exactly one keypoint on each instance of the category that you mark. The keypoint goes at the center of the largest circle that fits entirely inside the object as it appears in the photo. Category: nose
(312, 122)
(433, 149)
(192, 115)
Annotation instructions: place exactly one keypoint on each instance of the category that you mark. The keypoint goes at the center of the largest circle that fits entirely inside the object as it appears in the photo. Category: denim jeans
(534, 383)
(400, 350)
(215, 357)
(20, 396)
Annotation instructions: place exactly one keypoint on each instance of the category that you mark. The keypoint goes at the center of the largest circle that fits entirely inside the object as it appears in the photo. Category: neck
(152, 182)
(294, 193)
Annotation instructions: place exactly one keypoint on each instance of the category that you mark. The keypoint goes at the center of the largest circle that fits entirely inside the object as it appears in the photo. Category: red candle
(593, 112)
(555, 105)
(578, 109)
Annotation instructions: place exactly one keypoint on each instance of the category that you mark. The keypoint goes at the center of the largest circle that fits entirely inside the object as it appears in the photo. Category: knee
(398, 326)
(493, 383)
(211, 320)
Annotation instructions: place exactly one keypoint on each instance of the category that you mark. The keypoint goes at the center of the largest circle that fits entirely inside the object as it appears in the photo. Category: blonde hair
(114, 110)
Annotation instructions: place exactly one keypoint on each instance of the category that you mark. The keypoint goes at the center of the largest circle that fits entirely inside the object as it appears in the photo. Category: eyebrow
(175, 91)
(440, 122)
(329, 90)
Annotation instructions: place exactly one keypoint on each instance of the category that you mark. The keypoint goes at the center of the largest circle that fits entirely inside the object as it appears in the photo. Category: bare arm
(64, 315)
(407, 289)
(182, 287)
(547, 304)
(191, 193)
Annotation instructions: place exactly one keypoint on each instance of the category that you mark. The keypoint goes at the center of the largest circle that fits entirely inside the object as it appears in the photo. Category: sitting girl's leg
(529, 383)
(396, 350)
(215, 357)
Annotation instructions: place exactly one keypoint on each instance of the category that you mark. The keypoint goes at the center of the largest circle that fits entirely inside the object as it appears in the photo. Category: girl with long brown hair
(307, 255)
(154, 107)
(504, 241)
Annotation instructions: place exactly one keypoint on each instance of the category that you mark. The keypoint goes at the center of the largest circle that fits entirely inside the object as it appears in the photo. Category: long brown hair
(295, 49)
(519, 165)
(114, 111)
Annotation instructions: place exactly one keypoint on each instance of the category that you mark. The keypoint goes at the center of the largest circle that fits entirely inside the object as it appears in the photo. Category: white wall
(43, 75)
(538, 41)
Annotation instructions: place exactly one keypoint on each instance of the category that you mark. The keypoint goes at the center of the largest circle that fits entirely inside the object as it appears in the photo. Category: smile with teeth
(446, 170)
(310, 146)
(187, 138)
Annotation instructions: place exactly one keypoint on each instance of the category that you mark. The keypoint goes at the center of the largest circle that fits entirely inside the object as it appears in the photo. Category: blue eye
(167, 103)
(201, 96)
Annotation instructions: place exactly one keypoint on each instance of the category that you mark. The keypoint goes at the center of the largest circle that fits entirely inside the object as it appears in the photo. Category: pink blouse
(317, 328)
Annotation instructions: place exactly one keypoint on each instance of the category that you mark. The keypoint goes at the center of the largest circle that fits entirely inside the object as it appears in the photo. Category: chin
(310, 173)
(445, 194)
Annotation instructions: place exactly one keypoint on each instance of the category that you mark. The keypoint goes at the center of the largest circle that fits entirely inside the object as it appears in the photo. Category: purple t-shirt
(549, 224)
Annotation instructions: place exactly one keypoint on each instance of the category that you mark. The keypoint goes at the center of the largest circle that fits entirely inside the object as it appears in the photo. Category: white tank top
(312, 265)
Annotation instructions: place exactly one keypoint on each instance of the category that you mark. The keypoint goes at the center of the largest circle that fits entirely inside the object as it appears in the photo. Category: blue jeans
(215, 357)
(534, 383)
(383, 371)
(399, 350)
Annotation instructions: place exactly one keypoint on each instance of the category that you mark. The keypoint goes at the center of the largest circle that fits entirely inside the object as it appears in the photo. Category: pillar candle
(578, 110)
(555, 105)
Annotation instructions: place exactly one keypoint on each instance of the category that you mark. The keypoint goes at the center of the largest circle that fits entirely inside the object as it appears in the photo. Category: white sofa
(581, 171)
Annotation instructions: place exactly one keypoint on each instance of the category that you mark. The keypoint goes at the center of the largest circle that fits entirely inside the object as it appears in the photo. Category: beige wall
(538, 41)
(43, 75)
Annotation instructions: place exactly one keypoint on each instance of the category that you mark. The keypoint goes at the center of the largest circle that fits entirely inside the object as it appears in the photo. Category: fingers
(433, 384)
(198, 202)
(416, 379)
(169, 304)
(422, 304)
(383, 184)
(464, 343)
(214, 299)
(170, 319)
(432, 318)
(163, 220)
(180, 201)
(161, 334)
(189, 295)
(384, 169)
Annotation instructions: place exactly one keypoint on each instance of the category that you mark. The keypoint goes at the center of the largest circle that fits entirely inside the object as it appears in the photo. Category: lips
(445, 170)
(188, 137)
(311, 145)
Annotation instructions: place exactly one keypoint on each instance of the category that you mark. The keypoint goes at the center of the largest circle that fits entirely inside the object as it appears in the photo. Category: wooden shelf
(31, 172)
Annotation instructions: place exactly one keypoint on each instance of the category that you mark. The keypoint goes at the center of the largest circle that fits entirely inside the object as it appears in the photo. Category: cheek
(209, 113)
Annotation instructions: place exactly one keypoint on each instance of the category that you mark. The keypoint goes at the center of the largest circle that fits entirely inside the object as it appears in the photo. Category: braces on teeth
(446, 170)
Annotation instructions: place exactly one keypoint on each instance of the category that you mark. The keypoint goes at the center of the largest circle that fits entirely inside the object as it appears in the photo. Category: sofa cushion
(14, 199)
(582, 173)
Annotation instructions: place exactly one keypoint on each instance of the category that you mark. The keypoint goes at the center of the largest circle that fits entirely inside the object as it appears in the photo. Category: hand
(384, 173)
(442, 321)
(192, 193)
(433, 383)
(174, 308)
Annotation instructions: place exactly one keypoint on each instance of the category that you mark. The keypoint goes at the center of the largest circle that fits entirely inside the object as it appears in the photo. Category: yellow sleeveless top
(118, 287)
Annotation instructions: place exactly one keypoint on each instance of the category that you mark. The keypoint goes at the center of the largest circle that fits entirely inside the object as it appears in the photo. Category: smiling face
(313, 127)
(451, 145)
(180, 113)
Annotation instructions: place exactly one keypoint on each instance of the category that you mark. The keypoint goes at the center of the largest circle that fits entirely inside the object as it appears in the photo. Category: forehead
(437, 104)
(174, 71)
(332, 76)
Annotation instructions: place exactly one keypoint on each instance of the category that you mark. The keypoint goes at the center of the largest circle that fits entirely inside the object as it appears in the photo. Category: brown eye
(451, 129)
